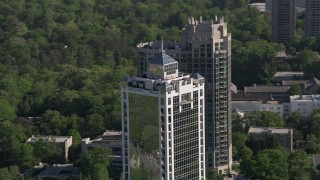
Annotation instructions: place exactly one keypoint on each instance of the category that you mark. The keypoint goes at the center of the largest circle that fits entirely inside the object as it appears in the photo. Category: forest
(61, 63)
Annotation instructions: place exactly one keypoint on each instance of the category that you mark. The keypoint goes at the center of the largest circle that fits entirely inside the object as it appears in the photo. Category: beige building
(284, 136)
(205, 48)
(109, 139)
(62, 141)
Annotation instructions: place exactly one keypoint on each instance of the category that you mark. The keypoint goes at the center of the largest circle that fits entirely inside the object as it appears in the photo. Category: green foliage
(52, 123)
(295, 90)
(47, 151)
(4, 174)
(13, 150)
(268, 164)
(264, 118)
(213, 175)
(94, 163)
(294, 120)
(299, 165)
(315, 124)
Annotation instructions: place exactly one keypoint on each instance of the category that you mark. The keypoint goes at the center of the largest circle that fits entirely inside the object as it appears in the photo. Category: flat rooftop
(314, 98)
(57, 139)
(253, 129)
(112, 133)
(266, 89)
(60, 170)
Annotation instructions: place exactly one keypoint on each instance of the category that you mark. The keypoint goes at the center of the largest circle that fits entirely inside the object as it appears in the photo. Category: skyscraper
(205, 48)
(312, 20)
(298, 4)
(163, 123)
(283, 20)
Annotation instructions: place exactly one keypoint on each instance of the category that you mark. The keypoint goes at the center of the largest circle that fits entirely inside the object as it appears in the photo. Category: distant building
(311, 86)
(298, 3)
(251, 106)
(62, 141)
(283, 136)
(269, 6)
(301, 3)
(305, 104)
(259, 6)
(280, 76)
(60, 171)
(312, 19)
(283, 20)
(109, 139)
(263, 93)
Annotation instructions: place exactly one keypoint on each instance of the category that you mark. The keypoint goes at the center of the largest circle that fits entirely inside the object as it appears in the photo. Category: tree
(294, 120)
(47, 151)
(267, 165)
(213, 175)
(4, 173)
(295, 90)
(267, 73)
(13, 150)
(315, 124)
(307, 56)
(299, 165)
(264, 118)
(94, 163)
(51, 123)
(7, 112)
(245, 153)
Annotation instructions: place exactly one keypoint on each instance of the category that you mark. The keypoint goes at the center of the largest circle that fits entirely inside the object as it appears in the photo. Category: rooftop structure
(284, 136)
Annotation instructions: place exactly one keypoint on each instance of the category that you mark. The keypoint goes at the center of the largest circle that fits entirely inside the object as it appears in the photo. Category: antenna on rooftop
(162, 44)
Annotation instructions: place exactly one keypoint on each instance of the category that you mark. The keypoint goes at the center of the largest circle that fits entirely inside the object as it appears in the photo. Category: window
(169, 101)
(162, 101)
(124, 95)
(201, 92)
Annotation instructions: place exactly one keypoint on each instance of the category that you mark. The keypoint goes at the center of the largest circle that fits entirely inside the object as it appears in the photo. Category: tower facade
(205, 48)
(163, 123)
(312, 20)
(283, 20)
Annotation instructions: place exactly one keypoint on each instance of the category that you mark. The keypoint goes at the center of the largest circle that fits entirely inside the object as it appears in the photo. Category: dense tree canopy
(61, 63)
(264, 118)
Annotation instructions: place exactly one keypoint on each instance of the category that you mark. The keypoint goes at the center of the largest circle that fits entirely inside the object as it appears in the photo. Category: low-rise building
(259, 6)
(251, 106)
(62, 141)
(280, 76)
(109, 139)
(60, 171)
(283, 136)
(311, 86)
(305, 104)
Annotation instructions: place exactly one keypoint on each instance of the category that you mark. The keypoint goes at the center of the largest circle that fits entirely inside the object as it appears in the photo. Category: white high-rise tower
(163, 123)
